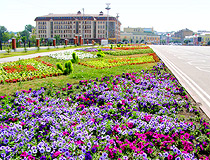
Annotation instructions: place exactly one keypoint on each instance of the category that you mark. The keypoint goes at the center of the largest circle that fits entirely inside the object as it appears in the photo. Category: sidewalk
(32, 48)
(16, 58)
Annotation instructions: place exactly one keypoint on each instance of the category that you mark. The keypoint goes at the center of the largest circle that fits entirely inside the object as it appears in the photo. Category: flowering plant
(28, 69)
(133, 115)
(108, 63)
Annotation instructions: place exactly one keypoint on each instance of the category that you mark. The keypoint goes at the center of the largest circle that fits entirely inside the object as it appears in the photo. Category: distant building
(89, 26)
(182, 33)
(205, 38)
(140, 35)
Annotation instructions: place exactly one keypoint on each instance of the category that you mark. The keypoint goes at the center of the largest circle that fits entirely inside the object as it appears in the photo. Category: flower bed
(29, 69)
(108, 63)
(129, 52)
(93, 49)
(68, 55)
(128, 116)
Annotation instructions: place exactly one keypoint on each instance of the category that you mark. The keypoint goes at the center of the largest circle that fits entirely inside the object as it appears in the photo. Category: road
(191, 66)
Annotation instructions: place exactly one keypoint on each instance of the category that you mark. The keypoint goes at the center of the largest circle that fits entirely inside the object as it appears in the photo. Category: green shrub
(68, 67)
(8, 50)
(75, 58)
(100, 54)
(111, 46)
(59, 66)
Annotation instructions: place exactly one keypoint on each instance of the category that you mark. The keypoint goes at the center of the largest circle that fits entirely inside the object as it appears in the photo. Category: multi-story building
(67, 26)
(140, 35)
(182, 33)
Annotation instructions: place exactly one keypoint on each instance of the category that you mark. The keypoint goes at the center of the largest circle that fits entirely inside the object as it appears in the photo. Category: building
(67, 26)
(182, 33)
(140, 35)
(205, 38)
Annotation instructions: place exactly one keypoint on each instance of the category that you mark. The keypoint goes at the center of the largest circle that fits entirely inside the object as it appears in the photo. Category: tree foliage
(29, 27)
(2, 30)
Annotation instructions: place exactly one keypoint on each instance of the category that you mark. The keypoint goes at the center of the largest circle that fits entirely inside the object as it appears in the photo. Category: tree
(17, 39)
(29, 27)
(12, 35)
(187, 41)
(5, 37)
(24, 40)
(137, 41)
(208, 43)
(142, 41)
(124, 39)
(25, 33)
(2, 30)
(57, 37)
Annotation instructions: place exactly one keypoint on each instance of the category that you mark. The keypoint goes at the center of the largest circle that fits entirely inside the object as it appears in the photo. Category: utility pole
(117, 26)
(108, 8)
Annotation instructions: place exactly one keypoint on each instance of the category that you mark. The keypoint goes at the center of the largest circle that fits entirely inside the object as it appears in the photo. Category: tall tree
(2, 30)
(24, 40)
(57, 37)
(25, 33)
(5, 37)
(17, 38)
(29, 27)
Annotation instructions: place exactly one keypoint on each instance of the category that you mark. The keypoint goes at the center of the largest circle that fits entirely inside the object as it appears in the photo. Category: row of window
(71, 22)
(42, 31)
(42, 27)
(42, 36)
(43, 23)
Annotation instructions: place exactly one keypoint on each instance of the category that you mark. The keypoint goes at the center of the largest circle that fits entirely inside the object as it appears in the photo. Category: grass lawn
(80, 73)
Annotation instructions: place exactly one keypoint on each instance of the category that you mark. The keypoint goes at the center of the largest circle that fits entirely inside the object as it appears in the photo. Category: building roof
(78, 16)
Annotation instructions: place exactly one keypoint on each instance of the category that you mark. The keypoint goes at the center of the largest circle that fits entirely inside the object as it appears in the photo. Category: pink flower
(56, 154)
(30, 157)
(187, 135)
(22, 123)
(130, 125)
(149, 150)
(24, 154)
(170, 157)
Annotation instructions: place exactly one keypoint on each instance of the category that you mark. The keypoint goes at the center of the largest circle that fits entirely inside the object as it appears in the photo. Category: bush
(68, 67)
(75, 58)
(8, 50)
(59, 66)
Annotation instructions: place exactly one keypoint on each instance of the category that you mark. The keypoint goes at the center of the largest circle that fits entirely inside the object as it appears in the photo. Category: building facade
(140, 35)
(67, 26)
(182, 33)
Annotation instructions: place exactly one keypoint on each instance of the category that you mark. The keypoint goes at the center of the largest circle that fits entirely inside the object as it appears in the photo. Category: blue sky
(163, 15)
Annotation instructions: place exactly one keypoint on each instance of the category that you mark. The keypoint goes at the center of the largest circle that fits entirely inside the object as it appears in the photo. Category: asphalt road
(191, 66)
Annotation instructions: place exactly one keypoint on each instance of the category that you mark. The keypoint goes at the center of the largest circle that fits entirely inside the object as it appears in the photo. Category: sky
(162, 15)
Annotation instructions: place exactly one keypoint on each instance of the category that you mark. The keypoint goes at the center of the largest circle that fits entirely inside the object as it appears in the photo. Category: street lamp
(83, 25)
(117, 26)
(108, 8)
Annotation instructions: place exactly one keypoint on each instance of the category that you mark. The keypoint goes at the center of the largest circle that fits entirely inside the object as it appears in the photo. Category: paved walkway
(16, 58)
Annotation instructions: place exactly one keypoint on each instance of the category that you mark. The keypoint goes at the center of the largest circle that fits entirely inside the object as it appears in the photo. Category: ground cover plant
(28, 69)
(126, 116)
(93, 49)
(129, 52)
(68, 55)
(108, 63)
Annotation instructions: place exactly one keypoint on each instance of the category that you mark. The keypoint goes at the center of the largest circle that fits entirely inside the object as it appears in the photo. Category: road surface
(191, 66)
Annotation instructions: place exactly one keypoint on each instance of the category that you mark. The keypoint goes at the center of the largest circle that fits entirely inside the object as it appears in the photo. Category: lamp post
(108, 8)
(117, 26)
(83, 36)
